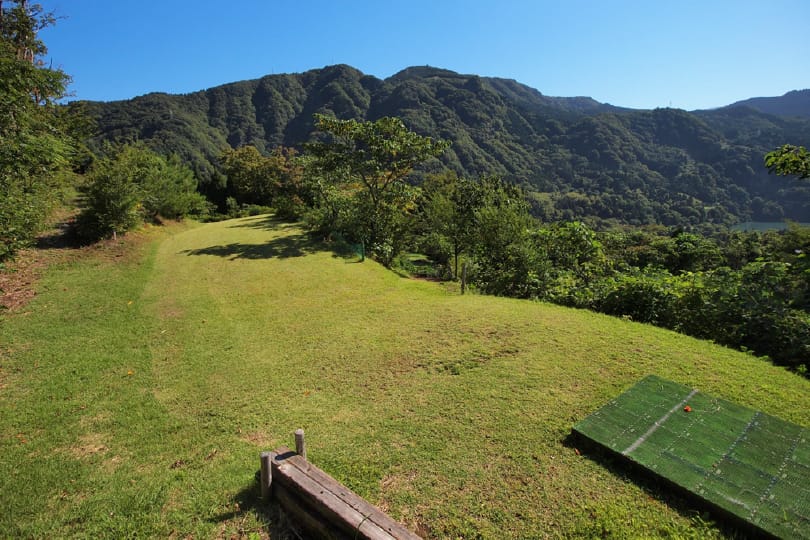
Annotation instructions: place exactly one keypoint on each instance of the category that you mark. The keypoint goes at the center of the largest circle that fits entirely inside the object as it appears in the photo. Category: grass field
(139, 386)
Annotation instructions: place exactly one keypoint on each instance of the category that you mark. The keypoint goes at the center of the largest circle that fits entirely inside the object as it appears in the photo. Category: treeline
(746, 290)
(39, 141)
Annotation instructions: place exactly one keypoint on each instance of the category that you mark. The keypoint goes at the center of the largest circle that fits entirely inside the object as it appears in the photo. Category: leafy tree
(248, 175)
(507, 259)
(110, 201)
(448, 212)
(133, 185)
(371, 160)
(36, 142)
(789, 160)
(277, 179)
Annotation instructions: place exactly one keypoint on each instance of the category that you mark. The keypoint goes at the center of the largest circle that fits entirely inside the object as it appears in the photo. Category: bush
(647, 298)
(133, 185)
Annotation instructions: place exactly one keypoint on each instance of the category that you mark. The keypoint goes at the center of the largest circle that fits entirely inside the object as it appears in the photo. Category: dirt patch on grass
(259, 438)
(89, 445)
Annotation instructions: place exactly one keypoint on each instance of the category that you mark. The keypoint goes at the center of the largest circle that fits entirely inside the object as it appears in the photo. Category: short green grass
(138, 391)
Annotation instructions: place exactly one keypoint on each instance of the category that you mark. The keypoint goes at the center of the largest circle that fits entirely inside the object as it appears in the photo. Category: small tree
(133, 185)
(277, 179)
(506, 253)
(371, 160)
(447, 212)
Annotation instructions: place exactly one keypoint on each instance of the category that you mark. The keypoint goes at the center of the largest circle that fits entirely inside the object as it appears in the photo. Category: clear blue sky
(688, 54)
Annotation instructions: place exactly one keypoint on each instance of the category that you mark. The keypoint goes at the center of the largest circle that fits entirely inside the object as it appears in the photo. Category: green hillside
(581, 158)
(141, 383)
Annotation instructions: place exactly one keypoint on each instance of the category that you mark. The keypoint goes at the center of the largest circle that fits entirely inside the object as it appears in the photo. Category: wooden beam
(300, 482)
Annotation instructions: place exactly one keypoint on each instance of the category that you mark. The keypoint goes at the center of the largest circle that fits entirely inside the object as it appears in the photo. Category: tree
(507, 260)
(372, 160)
(277, 179)
(789, 160)
(36, 142)
(132, 185)
(447, 212)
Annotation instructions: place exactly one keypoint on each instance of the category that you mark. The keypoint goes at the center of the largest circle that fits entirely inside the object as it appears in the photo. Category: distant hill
(579, 158)
(795, 103)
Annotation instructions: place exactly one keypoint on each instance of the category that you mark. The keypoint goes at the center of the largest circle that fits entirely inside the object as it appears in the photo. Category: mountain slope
(794, 103)
(579, 158)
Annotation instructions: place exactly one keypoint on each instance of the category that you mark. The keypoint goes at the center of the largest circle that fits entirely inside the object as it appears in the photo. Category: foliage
(579, 160)
(789, 160)
(132, 185)
(507, 261)
(277, 179)
(447, 215)
(371, 160)
(36, 138)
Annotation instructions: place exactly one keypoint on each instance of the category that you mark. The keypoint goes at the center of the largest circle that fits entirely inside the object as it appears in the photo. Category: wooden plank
(334, 500)
(324, 501)
(303, 518)
(372, 513)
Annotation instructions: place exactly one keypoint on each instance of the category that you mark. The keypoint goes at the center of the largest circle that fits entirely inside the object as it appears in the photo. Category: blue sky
(643, 54)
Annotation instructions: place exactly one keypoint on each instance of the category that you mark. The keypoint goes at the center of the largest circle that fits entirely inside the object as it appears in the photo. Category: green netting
(750, 464)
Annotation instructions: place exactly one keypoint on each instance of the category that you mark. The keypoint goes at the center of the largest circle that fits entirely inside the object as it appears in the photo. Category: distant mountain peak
(422, 72)
(793, 103)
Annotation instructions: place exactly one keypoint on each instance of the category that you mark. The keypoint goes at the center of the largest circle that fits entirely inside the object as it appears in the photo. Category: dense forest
(577, 158)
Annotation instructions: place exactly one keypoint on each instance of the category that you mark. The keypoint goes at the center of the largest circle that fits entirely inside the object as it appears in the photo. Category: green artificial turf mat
(751, 465)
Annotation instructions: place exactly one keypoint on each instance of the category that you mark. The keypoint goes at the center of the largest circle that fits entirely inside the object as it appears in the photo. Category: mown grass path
(138, 391)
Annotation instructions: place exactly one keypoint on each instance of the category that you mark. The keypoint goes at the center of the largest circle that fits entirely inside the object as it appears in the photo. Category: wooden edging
(320, 504)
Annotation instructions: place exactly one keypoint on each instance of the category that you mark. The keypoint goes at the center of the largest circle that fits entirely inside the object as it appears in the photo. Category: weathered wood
(306, 521)
(335, 503)
(464, 277)
(265, 476)
(300, 445)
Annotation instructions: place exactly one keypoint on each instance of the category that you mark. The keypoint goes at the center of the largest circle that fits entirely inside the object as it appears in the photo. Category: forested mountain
(795, 103)
(578, 158)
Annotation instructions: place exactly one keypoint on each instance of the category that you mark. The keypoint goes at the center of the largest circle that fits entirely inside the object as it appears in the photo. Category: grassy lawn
(137, 391)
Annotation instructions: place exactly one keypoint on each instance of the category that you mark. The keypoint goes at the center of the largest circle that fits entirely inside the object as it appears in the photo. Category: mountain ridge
(578, 157)
(793, 103)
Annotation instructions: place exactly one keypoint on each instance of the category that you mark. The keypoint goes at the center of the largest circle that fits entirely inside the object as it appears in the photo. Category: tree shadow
(676, 497)
(269, 514)
(293, 244)
(283, 247)
(265, 222)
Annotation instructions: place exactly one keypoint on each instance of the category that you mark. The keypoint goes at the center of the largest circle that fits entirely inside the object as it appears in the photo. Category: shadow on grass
(679, 499)
(264, 222)
(269, 515)
(296, 244)
(283, 247)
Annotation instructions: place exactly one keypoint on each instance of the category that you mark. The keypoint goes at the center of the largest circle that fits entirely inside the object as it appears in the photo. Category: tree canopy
(789, 160)
(36, 137)
(371, 160)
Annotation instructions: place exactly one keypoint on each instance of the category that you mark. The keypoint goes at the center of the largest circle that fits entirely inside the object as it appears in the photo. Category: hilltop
(579, 158)
(794, 103)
